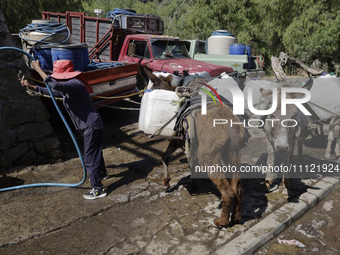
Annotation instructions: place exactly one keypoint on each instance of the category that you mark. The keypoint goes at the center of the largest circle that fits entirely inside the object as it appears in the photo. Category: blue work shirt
(77, 103)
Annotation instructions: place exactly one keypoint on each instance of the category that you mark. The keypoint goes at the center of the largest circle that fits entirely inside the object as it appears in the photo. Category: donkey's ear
(266, 93)
(154, 78)
(169, 78)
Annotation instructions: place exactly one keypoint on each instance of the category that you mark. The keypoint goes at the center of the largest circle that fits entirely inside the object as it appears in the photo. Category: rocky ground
(138, 216)
(318, 230)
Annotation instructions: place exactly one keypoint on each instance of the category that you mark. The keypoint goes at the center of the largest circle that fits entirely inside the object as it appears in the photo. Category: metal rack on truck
(133, 39)
(105, 37)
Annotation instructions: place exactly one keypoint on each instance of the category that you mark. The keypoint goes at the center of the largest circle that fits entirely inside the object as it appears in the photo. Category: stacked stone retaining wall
(26, 136)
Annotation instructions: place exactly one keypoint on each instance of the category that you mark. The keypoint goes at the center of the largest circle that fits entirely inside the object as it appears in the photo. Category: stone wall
(26, 136)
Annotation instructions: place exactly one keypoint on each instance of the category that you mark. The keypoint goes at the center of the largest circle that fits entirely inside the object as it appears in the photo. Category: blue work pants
(93, 157)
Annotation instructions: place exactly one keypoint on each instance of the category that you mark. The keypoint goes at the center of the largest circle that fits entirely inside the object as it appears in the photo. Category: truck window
(165, 49)
(141, 49)
(200, 47)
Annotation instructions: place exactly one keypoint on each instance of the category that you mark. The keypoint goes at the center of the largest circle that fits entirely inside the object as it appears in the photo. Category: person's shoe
(94, 194)
(107, 176)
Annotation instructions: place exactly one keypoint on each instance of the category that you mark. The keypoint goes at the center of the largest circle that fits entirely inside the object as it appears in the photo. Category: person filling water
(69, 84)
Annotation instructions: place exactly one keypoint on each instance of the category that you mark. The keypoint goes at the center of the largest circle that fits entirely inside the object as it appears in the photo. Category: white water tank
(219, 42)
(156, 110)
(31, 36)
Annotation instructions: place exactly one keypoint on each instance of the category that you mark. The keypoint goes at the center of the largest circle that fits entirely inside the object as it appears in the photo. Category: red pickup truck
(135, 39)
(165, 53)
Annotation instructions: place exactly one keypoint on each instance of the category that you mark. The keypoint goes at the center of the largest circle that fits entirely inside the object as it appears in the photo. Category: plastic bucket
(73, 52)
(237, 49)
(43, 53)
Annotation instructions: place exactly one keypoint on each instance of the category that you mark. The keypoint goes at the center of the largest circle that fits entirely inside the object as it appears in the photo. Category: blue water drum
(248, 49)
(237, 49)
(85, 52)
(44, 55)
(73, 52)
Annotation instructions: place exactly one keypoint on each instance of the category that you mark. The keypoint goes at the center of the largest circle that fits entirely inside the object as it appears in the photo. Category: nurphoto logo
(239, 105)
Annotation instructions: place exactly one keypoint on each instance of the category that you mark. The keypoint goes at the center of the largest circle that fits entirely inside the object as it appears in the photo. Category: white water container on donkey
(156, 110)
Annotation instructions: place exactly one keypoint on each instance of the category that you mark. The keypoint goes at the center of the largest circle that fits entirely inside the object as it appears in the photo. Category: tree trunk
(277, 68)
(284, 59)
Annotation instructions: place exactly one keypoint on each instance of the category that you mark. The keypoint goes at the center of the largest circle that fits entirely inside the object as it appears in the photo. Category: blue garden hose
(46, 28)
(102, 65)
(116, 12)
(68, 129)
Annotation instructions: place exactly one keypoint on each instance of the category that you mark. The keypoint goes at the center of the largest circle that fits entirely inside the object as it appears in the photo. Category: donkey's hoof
(218, 223)
(270, 187)
(166, 182)
(237, 218)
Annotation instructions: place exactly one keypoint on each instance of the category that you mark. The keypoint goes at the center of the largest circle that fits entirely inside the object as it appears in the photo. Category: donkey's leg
(172, 147)
(236, 186)
(287, 159)
(286, 162)
(227, 194)
(337, 138)
(337, 147)
(300, 141)
(270, 176)
(330, 139)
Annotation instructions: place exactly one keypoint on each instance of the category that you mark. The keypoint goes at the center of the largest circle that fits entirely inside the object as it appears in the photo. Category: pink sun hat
(64, 69)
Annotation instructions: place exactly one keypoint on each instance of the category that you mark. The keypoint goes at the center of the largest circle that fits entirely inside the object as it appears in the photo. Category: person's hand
(26, 84)
(35, 64)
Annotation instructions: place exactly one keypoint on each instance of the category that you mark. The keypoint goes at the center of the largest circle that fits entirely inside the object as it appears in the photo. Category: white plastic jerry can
(156, 110)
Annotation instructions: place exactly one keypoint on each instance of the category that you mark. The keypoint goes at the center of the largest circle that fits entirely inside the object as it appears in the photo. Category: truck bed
(109, 84)
(112, 82)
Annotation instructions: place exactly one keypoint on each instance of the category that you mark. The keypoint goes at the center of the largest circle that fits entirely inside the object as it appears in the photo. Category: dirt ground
(318, 230)
(142, 216)
(124, 145)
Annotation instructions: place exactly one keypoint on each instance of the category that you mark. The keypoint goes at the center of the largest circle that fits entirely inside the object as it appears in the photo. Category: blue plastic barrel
(85, 52)
(248, 49)
(44, 55)
(73, 52)
(237, 49)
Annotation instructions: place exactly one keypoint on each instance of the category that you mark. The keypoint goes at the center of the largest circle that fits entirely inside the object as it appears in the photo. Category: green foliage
(19, 13)
(108, 5)
(314, 33)
(305, 29)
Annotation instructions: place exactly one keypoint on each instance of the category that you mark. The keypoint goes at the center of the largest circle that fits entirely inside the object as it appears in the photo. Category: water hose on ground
(69, 131)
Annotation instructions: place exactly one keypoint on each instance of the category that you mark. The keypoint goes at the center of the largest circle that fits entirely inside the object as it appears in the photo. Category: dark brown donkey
(217, 145)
